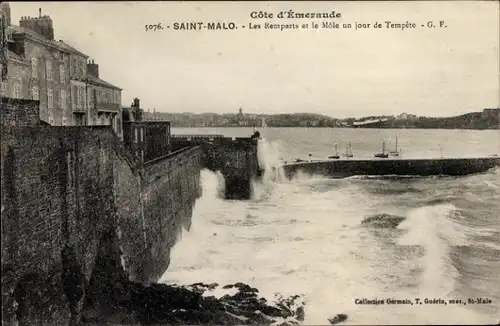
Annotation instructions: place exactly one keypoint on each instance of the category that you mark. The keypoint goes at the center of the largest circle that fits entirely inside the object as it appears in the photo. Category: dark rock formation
(383, 220)
(337, 319)
(161, 304)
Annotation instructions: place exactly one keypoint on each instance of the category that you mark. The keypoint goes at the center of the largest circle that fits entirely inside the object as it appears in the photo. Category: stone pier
(235, 158)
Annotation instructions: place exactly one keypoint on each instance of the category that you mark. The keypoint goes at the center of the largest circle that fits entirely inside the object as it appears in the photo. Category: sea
(337, 242)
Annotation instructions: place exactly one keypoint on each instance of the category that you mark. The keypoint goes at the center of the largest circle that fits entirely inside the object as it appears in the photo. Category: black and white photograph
(250, 163)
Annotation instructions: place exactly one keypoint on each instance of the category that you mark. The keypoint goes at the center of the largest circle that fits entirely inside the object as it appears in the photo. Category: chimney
(93, 69)
(41, 25)
(136, 102)
(138, 111)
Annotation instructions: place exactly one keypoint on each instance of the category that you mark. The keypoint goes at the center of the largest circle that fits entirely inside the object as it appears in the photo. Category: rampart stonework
(19, 112)
(80, 210)
(64, 190)
(149, 223)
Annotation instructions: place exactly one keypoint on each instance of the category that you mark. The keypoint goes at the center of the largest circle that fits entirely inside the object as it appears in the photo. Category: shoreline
(131, 303)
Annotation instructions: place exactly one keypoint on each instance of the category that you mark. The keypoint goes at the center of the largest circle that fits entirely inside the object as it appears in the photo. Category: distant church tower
(240, 117)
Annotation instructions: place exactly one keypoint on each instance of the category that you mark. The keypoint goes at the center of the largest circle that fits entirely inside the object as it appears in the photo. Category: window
(48, 66)
(136, 134)
(74, 96)
(80, 119)
(51, 117)
(63, 99)
(50, 99)
(142, 134)
(62, 74)
(94, 99)
(64, 118)
(81, 97)
(77, 97)
(57, 104)
(74, 67)
(34, 93)
(17, 90)
(4, 89)
(34, 68)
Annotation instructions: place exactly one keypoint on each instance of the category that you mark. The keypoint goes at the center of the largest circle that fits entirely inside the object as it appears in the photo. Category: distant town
(485, 119)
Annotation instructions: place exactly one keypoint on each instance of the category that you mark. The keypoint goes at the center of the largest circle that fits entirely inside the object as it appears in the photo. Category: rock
(337, 319)
(185, 305)
(300, 314)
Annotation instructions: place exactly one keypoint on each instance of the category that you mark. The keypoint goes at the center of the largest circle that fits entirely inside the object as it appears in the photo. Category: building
(36, 66)
(133, 137)
(402, 116)
(148, 140)
(55, 73)
(491, 112)
(78, 112)
(406, 116)
(104, 100)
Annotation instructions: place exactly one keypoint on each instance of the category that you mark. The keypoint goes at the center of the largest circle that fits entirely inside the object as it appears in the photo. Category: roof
(59, 44)
(68, 47)
(94, 80)
(34, 35)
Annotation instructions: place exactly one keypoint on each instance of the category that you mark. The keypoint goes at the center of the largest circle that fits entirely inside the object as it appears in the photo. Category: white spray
(201, 228)
(269, 157)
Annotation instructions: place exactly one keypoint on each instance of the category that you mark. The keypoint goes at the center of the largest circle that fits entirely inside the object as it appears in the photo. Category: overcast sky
(338, 72)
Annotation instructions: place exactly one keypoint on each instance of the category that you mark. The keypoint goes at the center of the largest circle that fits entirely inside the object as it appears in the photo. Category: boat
(336, 153)
(348, 152)
(383, 154)
(395, 152)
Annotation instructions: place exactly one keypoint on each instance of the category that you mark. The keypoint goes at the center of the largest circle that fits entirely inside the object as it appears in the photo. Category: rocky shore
(161, 304)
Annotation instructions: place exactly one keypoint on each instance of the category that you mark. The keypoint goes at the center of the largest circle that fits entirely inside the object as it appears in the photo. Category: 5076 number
(153, 27)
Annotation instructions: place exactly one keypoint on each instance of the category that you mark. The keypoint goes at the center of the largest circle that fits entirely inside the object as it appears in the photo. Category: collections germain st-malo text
(286, 20)
(420, 301)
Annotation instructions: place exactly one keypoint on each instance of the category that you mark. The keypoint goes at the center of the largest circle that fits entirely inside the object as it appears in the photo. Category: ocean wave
(431, 228)
(336, 239)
